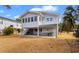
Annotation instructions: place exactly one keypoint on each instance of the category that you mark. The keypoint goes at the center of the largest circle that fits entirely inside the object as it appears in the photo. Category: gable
(38, 13)
(30, 15)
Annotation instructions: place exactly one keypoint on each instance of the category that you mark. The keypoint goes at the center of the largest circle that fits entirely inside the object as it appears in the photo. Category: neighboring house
(5, 22)
(40, 23)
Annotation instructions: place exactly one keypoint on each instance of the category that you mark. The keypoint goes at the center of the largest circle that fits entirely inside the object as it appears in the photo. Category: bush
(8, 31)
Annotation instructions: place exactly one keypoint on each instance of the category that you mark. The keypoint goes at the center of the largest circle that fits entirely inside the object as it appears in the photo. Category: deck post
(57, 31)
(57, 28)
(37, 31)
(22, 26)
(38, 26)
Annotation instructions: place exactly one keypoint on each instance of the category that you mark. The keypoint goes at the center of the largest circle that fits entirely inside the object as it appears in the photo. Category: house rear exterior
(5, 22)
(40, 24)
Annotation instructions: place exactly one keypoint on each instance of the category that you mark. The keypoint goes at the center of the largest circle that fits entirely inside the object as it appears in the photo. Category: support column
(38, 26)
(57, 31)
(54, 31)
(37, 31)
(57, 27)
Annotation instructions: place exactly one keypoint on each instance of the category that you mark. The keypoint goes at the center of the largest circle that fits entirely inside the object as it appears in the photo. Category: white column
(57, 26)
(38, 31)
(38, 26)
(56, 30)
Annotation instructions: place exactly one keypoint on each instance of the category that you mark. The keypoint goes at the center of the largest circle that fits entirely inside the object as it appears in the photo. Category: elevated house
(40, 23)
(5, 22)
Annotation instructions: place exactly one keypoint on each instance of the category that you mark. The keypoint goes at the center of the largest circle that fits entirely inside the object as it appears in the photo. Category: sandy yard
(65, 35)
(19, 44)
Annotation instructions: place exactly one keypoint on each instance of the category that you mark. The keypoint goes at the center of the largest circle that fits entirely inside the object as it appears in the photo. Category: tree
(7, 6)
(77, 14)
(60, 27)
(8, 31)
(69, 21)
(18, 20)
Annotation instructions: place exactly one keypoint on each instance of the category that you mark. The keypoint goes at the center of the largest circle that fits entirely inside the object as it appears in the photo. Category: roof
(4, 18)
(39, 13)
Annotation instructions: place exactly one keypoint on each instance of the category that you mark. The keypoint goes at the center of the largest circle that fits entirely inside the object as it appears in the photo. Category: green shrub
(77, 27)
(8, 31)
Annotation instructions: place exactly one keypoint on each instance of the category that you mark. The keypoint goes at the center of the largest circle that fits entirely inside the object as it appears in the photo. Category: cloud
(36, 9)
(16, 16)
(45, 8)
(1, 11)
(8, 15)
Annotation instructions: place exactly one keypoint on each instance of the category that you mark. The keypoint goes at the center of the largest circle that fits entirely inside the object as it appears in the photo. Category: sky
(18, 10)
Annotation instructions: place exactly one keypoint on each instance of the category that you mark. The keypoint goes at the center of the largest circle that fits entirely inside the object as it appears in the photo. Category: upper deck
(35, 19)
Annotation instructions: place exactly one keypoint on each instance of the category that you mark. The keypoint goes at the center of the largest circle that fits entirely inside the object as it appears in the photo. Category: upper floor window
(31, 19)
(35, 19)
(28, 19)
(49, 19)
(25, 19)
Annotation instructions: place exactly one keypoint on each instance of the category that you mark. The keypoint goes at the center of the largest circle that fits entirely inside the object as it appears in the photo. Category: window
(25, 19)
(1, 22)
(11, 25)
(35, 18)
(49, 19)
(41, 30)
(31, 19)
(28, 19)
(35, 30)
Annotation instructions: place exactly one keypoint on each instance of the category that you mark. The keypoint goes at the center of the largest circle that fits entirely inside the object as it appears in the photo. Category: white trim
(57, 27)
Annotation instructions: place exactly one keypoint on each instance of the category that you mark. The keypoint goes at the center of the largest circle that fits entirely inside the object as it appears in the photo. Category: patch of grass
(65, 35)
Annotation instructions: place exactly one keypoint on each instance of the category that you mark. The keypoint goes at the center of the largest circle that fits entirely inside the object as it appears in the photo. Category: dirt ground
(19, 44)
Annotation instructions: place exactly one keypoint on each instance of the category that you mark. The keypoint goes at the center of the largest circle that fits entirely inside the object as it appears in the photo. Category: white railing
(44, 32)
(46, 23)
